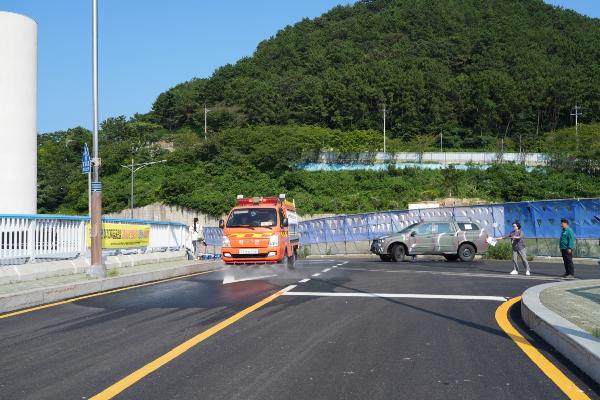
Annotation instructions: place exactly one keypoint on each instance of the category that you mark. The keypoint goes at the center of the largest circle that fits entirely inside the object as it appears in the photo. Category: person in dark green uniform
(567, 244)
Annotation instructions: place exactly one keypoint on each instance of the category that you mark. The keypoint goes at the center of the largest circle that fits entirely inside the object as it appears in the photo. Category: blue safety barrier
(539, 220)
(213, 236)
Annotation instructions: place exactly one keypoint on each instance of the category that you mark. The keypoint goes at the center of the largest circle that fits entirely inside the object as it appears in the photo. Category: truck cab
(260, 230)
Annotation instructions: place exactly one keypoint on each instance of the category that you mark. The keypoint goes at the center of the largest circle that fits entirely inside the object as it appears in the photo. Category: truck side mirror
(221, 224)
(284, 223)
(413, 234)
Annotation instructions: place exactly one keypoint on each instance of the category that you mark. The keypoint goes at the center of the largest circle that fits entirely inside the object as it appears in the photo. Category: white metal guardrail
(28, 238)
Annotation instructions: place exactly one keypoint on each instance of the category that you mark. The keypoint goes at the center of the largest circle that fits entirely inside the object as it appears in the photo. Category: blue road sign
(86, 162)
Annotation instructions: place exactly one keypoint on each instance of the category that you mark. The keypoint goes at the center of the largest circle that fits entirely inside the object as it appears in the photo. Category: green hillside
(474, 69)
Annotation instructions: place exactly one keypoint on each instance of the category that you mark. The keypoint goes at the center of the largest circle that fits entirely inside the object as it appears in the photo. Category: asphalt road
(338, 341)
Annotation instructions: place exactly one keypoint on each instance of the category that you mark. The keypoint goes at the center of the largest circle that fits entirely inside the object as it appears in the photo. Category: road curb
(48, 269)
(35, 297)
(579, 346)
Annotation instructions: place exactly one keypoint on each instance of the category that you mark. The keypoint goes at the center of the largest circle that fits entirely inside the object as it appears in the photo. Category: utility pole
(520, 143)
(384, 148)
(206, 110)
(97, 268)
(134, 168)
(441, 142)
(576, 112)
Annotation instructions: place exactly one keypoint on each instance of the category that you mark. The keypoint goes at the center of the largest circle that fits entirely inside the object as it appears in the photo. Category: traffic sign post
(86, 168)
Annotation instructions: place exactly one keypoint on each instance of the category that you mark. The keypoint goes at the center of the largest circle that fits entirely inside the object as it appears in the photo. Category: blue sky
(148, 46)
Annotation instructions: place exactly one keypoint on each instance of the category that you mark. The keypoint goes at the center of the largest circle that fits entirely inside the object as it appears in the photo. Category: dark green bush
(502, 251)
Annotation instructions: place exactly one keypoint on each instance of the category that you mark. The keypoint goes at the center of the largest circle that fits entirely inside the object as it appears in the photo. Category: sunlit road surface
(329, 329)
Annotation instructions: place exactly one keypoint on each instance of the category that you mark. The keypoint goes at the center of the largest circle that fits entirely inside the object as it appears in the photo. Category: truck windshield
(252, 218)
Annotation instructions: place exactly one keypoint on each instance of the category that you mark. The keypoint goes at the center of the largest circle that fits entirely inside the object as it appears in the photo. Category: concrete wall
(163, 212)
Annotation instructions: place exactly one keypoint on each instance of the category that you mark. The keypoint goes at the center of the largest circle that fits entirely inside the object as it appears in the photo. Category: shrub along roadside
(502, 251)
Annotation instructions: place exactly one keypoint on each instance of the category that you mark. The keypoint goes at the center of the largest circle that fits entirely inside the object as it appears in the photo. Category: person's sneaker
(569, 277)
(514, 272)
(527, 272)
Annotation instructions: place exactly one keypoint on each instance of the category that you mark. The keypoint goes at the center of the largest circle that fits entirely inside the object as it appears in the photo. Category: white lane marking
(315, 274)
(327, 270)
(399, 295)
(304, 280)
(335, 266)
(345, 262)
(231, 278)
(470, 274)
(288, 288)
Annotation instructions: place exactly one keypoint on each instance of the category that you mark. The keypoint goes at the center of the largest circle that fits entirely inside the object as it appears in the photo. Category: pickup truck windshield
(252, 218)
(409, 228)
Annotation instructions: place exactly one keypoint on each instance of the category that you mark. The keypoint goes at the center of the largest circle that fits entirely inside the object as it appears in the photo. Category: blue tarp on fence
(539, 219)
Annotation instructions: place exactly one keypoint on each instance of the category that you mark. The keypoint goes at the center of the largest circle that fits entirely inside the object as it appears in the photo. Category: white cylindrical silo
(18, 114)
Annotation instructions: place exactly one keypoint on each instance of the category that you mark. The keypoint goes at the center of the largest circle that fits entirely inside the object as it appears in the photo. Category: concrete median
(581, 347)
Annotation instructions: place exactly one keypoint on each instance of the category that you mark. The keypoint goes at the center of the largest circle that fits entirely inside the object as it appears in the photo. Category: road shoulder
(43, 295)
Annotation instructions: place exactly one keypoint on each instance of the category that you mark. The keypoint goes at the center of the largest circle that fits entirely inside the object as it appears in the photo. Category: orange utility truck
(261, 230)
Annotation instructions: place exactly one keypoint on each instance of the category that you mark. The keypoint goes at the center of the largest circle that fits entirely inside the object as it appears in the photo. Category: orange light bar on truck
(256, 200)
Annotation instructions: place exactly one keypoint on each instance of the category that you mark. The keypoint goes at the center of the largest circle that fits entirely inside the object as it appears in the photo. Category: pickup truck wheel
(451, 257)
(385, 258)
(466, 252)
(398, 253)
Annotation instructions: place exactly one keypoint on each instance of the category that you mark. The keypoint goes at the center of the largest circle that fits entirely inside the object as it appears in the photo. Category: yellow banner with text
(120, 236)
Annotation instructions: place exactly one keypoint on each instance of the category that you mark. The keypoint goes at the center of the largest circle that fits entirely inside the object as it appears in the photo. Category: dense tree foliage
(262, 160)
(476, 70)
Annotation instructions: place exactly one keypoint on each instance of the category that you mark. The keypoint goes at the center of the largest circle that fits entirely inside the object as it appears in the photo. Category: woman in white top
(196, 235)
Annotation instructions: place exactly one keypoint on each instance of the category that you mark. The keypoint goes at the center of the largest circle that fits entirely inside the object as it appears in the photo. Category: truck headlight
(274, 240)
(226, 241)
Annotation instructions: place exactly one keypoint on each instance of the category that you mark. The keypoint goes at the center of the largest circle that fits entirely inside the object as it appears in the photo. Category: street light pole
(134, 168)
(97, 269)
(131, 198)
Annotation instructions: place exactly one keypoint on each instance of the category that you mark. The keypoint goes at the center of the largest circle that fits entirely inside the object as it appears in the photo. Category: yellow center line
(88, 296)
(147, 369)
(561, 380)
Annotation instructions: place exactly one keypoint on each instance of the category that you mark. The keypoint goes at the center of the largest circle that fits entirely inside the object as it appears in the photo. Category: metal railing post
(31, 240)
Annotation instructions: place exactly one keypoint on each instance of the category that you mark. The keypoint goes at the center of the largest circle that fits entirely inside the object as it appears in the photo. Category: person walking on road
(519, 250)
(567, 244)
(195, 235)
